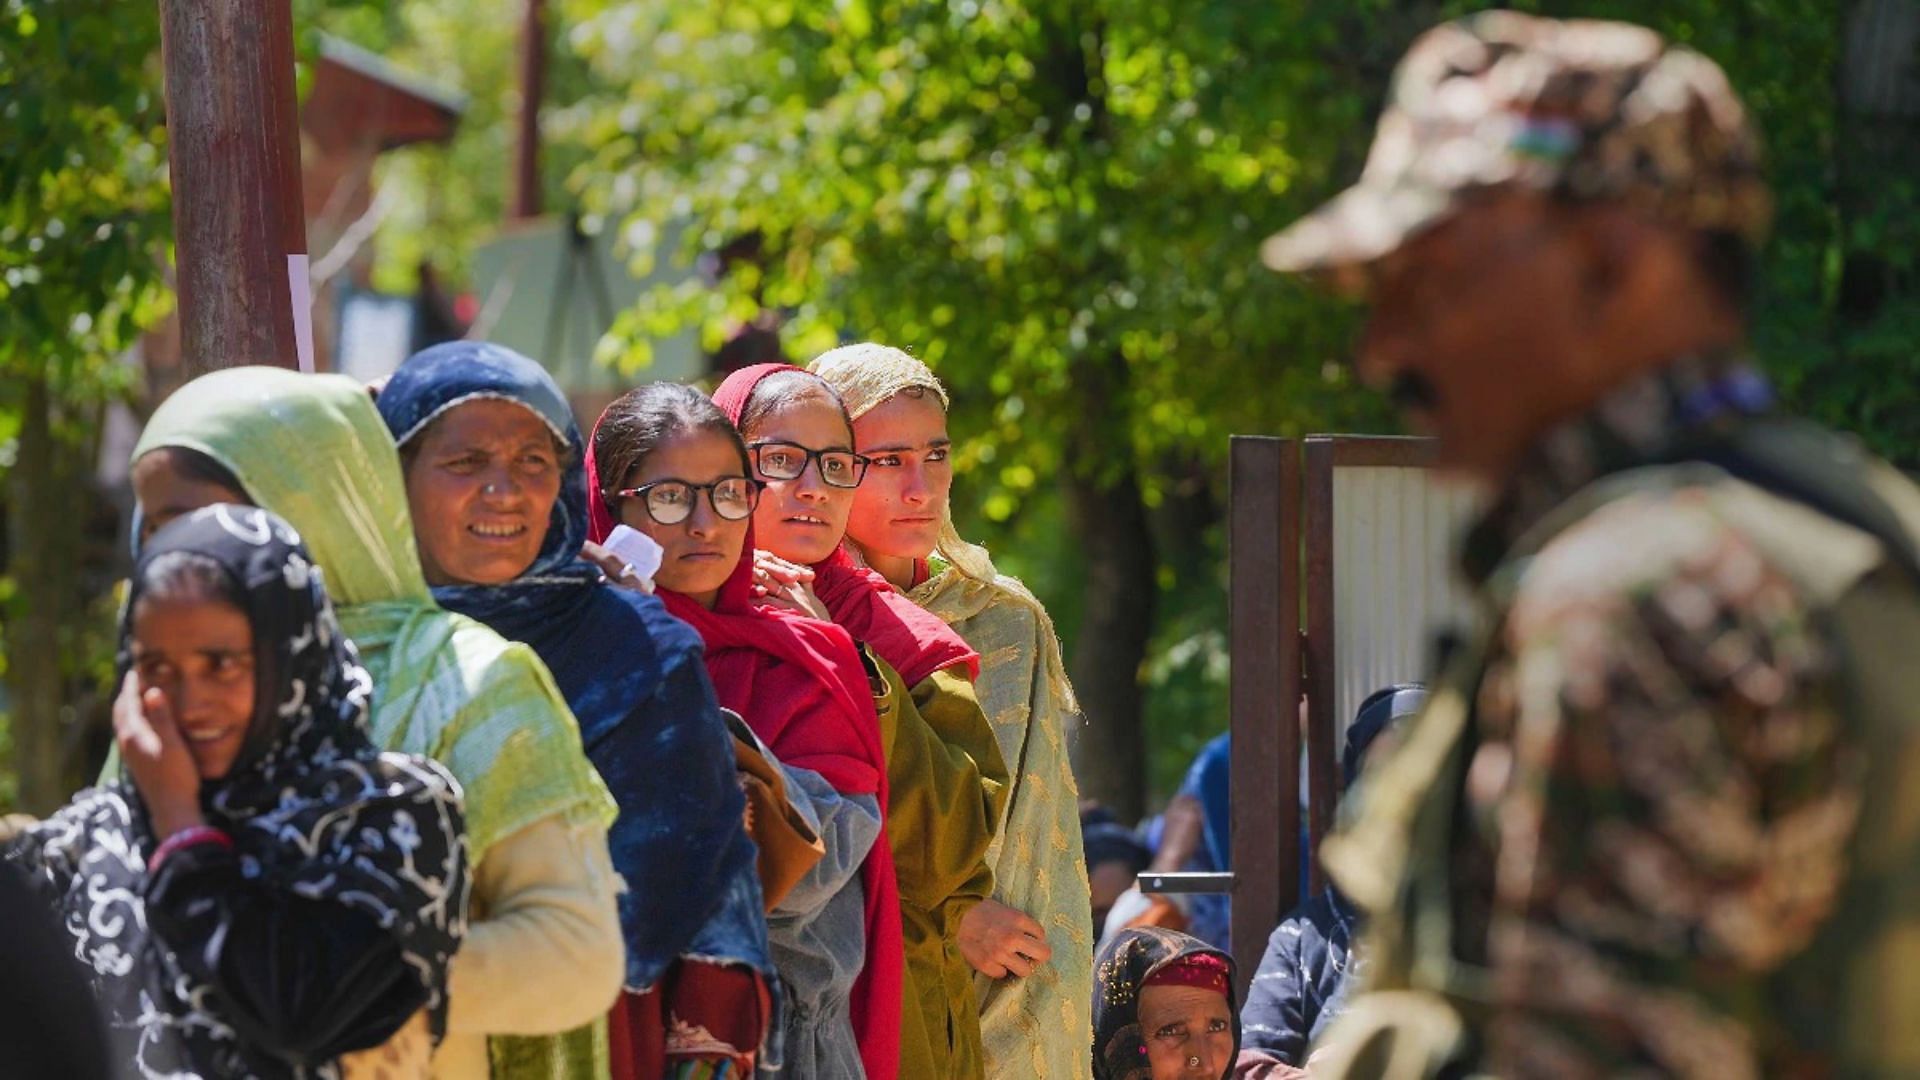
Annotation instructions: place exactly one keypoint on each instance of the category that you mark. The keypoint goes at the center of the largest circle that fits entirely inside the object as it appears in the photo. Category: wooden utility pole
(533, 88)
(240, 232)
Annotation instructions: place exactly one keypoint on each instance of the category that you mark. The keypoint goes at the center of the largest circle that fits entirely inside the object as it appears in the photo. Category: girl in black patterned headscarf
(1163, 1008)
(263, 891)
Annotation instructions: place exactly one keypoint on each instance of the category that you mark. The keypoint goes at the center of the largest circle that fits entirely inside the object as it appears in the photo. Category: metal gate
(1341, 573)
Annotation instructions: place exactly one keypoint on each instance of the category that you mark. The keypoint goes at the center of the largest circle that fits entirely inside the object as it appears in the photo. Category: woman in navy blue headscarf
(495, 478)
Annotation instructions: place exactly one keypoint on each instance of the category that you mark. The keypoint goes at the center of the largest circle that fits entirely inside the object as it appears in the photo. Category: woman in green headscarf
(1037, 1024)
(543, 957)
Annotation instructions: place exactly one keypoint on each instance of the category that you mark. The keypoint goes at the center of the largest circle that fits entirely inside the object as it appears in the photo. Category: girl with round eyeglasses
(496, 480)
(665, 461)
(947, 778)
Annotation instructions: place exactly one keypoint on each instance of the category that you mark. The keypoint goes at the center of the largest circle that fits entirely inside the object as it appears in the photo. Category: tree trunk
(1109, 520)
(41, 571)
(533, 89)
(1189, 510)
(234, 146)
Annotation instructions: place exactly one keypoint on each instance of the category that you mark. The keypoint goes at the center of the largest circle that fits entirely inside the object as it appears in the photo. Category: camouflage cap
(1580, 109)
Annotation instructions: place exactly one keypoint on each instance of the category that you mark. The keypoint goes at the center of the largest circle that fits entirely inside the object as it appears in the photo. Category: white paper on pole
(300, 291)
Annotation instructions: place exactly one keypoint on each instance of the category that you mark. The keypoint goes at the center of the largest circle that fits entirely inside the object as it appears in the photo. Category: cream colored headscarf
(868, 375)
(1040, 1025)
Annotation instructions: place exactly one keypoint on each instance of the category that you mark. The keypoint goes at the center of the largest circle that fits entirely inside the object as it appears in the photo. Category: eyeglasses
(670, 502)
(789, 461)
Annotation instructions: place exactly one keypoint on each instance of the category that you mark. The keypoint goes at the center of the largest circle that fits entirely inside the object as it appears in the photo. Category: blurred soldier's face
(1484, 329)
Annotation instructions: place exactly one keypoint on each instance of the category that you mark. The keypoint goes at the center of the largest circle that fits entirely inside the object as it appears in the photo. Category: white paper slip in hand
(639, 550)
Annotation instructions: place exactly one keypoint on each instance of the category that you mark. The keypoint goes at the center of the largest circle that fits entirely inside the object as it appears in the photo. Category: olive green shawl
(312, 449)
(1040, 1025)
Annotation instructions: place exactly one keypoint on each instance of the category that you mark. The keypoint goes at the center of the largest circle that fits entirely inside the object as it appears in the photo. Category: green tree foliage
(445, 201)
(84, 221)
(1057, 204)
(83, 205)
(85, 242)
(1003, 187)
(1837, 320)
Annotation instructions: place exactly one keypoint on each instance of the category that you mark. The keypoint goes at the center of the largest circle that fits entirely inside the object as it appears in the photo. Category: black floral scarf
(311, 805)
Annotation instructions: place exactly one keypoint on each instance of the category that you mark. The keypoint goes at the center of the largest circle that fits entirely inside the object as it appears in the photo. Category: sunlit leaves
(1008, 186)
(84, 216)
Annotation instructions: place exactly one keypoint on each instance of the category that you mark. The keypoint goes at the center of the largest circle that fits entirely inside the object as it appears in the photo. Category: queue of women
(414, 777)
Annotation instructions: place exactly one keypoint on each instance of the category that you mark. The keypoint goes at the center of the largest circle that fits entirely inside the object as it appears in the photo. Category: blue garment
(819, 933)
(1207, 781)
(1303, 980)
(1310, 965)
(1210, 914)
(1382, 711)
(635, 679)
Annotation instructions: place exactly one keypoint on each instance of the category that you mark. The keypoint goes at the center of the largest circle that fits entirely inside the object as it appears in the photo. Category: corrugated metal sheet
(1394, 582)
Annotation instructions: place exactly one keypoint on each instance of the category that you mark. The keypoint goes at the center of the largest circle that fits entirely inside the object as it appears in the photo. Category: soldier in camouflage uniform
(1662, 815)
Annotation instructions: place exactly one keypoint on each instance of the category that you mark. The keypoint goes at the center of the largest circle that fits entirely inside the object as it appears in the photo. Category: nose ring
(1193, 1062)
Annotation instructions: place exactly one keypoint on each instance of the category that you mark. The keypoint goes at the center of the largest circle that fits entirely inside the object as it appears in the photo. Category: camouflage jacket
(1676, 842)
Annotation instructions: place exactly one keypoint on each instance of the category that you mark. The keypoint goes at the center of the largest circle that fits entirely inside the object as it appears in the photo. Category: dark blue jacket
(1303, 980)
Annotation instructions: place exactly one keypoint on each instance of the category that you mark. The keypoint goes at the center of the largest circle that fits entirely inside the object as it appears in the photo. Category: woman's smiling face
(481, 484)
(200, 654)
(803, 520)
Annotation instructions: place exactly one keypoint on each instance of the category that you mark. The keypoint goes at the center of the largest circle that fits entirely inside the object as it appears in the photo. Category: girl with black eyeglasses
(947, 779)
(666, 462)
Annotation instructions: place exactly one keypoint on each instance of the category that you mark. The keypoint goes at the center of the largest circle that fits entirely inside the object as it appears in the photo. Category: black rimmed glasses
(670, 502)
(788, 461)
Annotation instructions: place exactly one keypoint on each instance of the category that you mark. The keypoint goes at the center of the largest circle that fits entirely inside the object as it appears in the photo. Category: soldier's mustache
(1411, 390)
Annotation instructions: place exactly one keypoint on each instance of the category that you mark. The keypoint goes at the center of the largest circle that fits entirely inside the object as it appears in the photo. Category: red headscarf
(800, 685)
(1202, 970)
(912, 640)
